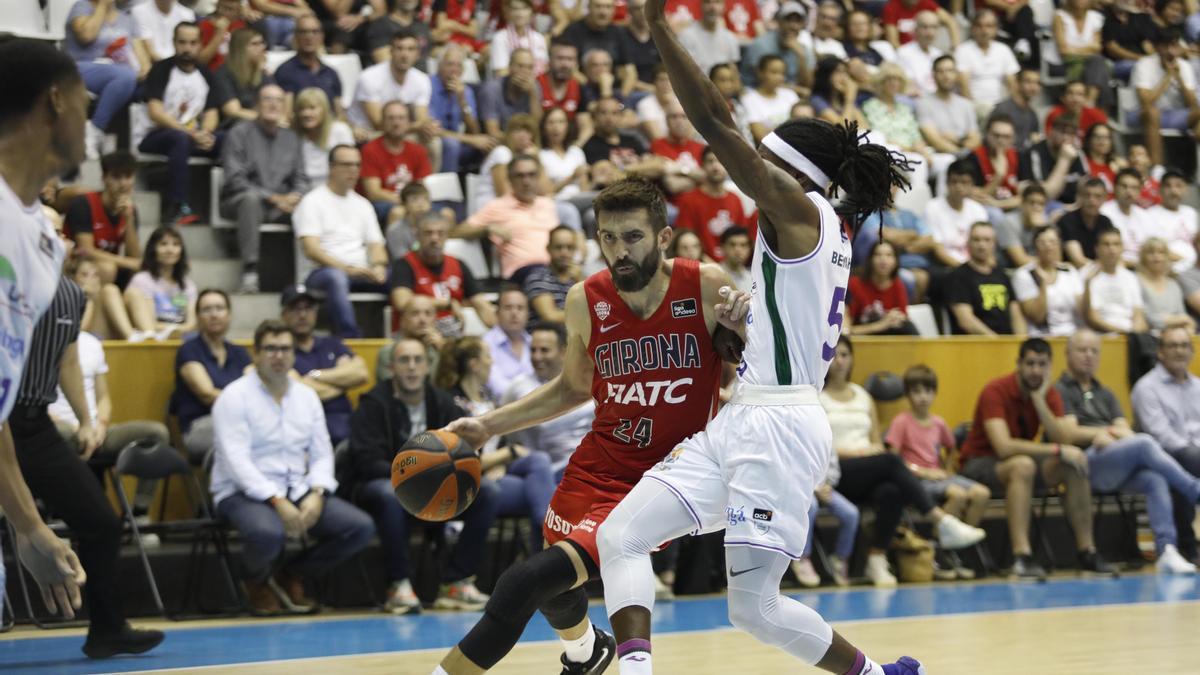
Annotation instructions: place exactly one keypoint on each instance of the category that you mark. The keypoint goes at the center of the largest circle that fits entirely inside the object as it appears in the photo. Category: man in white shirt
(1112, 298)
(708, 40)
(1133, 221)
(950, 218)
(917, 57)
(1176, 221)
(343, 246)
(394, 80)
(157, 20)
(273, 478)
(1166, 90)
(827, 32)
(988, 69)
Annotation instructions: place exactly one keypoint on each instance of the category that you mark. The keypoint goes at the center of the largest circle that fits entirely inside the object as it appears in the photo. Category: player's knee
(524, 587)
(614, 539)
(746, 612)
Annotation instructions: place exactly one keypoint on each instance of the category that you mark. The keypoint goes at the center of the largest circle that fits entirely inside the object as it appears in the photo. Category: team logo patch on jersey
(603, 309)
(683, 308)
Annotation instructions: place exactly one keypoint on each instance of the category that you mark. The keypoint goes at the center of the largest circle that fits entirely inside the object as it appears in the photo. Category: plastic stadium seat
(923, 318)
(444, 187)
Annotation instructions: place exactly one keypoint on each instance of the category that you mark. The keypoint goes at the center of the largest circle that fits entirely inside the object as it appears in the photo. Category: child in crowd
(415, 201)
(919, 437)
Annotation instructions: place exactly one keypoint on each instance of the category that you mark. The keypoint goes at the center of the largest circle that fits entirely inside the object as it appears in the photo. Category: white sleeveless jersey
(31, 257)
(797, 306)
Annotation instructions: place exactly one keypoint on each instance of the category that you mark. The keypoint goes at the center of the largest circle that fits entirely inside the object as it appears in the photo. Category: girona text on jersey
(630, 356)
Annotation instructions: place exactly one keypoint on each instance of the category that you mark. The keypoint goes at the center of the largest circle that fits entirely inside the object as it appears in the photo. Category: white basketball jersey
(797, 306)
(31, 257)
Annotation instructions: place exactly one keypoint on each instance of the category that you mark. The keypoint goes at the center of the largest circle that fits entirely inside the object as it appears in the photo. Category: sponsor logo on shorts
(683, 308)
(587, 525)
(665, 464)
(763, 515)
(735, 516)
(556, 524)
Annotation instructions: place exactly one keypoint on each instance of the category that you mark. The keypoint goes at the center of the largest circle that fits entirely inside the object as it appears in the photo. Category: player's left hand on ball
(471, 430)
(732, 312)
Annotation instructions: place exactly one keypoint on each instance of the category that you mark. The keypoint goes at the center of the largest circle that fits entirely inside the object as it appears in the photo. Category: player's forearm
(701, 100)
(546, 402)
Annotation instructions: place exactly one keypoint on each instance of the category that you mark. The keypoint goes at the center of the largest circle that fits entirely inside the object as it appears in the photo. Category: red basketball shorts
(576, 511)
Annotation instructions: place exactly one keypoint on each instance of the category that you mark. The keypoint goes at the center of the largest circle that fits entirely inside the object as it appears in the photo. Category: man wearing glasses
(305, 68)
(519, 223)
(264, 177)
(343, 245)
(273, 479)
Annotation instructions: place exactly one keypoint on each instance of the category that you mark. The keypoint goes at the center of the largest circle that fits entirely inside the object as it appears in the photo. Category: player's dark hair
(921, 376)
(560, 332)
(150, 255)
(1033, 345)
(864, 172)
(118, 163)
(30, 69)
(270, 327)
(634, 194)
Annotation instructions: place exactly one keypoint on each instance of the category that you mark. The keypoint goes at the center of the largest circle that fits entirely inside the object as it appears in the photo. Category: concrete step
(223, 274)
(149, 210)
(251, 309)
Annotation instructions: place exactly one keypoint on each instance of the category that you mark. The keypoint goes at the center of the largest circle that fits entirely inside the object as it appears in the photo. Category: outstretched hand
(471, 430)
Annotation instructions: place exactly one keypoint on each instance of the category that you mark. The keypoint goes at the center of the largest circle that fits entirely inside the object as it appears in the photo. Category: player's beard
(635, 280)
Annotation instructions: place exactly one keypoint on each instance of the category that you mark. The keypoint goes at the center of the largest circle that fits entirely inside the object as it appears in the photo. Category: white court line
(723, 629)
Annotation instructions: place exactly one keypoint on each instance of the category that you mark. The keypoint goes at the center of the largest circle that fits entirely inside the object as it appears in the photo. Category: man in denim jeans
(1118, 459)
(1166, 403)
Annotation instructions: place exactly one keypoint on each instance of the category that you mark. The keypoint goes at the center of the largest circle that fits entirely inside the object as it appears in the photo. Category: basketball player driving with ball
(643, 340)
(754, 468)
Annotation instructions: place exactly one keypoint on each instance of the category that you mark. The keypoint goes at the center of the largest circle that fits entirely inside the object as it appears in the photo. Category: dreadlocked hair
(864, 173)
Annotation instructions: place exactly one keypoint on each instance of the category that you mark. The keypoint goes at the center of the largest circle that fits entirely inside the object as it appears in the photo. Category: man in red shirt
(1002, 453)
(710, 209)
(103, 224)
(743, 19)
(681, 150)
(899, 19)
(561, 89)
(390, 162)
(429, 271)
(1074, 101)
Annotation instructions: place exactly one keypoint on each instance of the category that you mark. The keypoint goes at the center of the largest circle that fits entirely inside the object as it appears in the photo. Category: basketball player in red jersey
(645, 339)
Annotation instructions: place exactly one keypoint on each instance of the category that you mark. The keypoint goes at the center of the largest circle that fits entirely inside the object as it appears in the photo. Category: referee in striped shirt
(62, 479)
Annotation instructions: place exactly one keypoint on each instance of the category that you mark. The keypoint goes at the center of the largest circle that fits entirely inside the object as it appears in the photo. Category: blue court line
(271, 641)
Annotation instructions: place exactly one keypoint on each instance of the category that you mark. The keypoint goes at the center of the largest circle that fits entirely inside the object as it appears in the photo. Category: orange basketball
(435, 475)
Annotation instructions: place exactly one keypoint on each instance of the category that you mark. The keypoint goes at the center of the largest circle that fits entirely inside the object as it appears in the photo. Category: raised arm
(776, 193)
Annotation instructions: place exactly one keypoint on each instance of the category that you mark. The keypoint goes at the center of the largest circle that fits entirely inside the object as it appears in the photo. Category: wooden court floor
(1114, 640)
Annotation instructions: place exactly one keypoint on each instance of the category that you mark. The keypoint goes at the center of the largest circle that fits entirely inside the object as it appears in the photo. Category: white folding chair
(444, 187)
(923, 319)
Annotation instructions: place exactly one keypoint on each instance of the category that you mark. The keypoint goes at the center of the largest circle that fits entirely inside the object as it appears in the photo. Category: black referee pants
(63, 481)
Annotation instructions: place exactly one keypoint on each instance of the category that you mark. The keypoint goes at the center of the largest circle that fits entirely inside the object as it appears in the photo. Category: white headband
(795, 159)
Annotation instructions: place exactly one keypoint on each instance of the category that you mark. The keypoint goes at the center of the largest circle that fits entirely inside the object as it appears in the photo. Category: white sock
(580, 650)
(440, 671)
(867, 667)
(636, 663)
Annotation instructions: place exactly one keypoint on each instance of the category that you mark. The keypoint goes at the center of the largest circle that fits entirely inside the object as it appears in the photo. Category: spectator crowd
(444, 156)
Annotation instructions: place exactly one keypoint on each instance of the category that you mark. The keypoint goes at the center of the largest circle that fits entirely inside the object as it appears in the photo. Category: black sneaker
(1090, 563)
(128, 641)
(1025, 567)
(602, 654)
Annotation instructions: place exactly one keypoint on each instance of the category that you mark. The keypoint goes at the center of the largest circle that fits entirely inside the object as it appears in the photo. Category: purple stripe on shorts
(686, 504)
(635, 645)
(751, 544)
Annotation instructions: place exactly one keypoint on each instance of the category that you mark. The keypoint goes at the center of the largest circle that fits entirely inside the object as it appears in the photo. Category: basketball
(435, 475)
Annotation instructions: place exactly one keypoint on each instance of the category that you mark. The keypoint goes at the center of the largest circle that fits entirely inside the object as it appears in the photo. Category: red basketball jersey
(655, 381)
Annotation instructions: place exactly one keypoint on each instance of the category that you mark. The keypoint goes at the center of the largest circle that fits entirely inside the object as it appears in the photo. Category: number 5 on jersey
(643, 431)
(835, 319)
